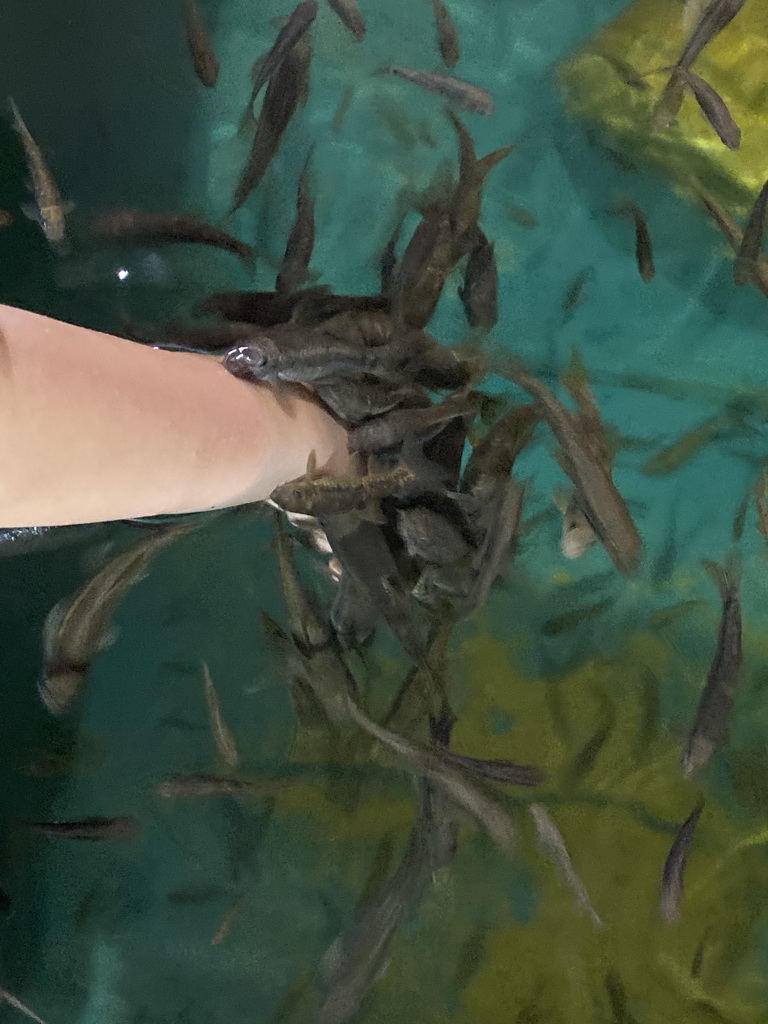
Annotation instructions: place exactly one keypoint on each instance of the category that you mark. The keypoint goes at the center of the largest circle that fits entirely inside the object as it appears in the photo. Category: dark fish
(329, 495)
(192, 786)
(714, 108)
(479, 295)
(749, 251)
(674, 866)
(217, 338)
(301, 240)
(430, 536)
(569, 620)
(493, 458)
(78, 627)
(353, 613)
(424, 268)
(92, 829)
(297, 355)
(462, 94)
(506, 511)
(669, 103)
(143, 227)
(200, 46)
(350, 16)
(626, 72)
(643, 244)
(691, 443)
(390, 430)
(735, 236)
(447, 39)
(712, 21)
(231, 914)
(551, 839)
(287, 90)
(586, 460)
(497, 771)
(522, 216)
(740, 518)
(50, 209)
(222, 734)
(358, 399)
(710, 727)
(262, 309)
(467, 198)
(290, 34)
(575, 290)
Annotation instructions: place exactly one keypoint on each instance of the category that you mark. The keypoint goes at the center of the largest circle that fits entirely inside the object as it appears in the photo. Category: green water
(92, 936)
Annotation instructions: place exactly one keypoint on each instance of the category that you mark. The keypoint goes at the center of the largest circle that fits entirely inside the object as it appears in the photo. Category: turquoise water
(92, 936)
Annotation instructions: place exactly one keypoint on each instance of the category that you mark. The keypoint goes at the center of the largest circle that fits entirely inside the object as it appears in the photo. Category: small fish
(355, 399)
(17, 1004)
(669, 103)
(200, 46)
(674, 866)
(350, 16)
(447, 38)
(569, 620)
(713, 19)
(522, 216)
(735, 236)
(551, 839)
(710, 727)
(497, 771)
(89, 829)
(301, 241)
(430, 536)
(300, 355)
(212, 785)
(691, 443)
(586, 460)
(424, 268)
(231, 914)
(506, 510)
(78, 627)
(714, 108)
(288, 89)
(289, 35)
(467, 198)
(740, 518)
(577, 535)
(575, 290)
(463, 94)
(143, 227)
(222, 734)
(391, 429)
(50, 209)
(750, 248)
(329, 495)
(626, 72)
(643, 244)
(494, 457)
(479, 296)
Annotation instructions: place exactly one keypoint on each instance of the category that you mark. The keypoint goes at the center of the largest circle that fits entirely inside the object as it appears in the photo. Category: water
(604, 709)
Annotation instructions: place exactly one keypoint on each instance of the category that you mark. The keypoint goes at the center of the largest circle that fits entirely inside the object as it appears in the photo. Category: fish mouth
(243, 362)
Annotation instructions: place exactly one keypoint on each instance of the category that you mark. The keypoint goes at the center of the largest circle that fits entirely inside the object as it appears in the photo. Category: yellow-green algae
(648, 37)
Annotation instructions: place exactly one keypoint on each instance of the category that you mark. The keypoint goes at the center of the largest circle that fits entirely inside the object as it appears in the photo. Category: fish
(735, 237)
(577, 535)
(77, 629)
(192, 786)
(290, 34)
(353, 614)
(713, 19)
(494, 457)
(464, 95)
(17, 1004)
(506, 510)
(447, 38)
(391, 429)
(343, 108)
(329, 495)
(299, 355)
(521, 216)
(466, 201)
(200, 46)
(497, 771)
(357, 398)
(710, 727)
(714, 108)
(569, 620)
(144, 227)
(585, 458)
(628, 75)
(301, 241)
(423, 269)
(669, 103)
(574, 292)
(552, 841)
(675, 455)
(430, 536)
(217, 338)
(50, 209)
(288, 89)
(231, 914)
(357, 958)
(479, 295)
(674, 866)
(89, 829)
(349, 15)
(750, 247)
(643, 244)
(222, 734)
(740, 518)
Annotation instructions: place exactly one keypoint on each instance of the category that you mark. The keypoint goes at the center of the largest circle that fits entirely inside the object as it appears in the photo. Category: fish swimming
(349, 15)
(88, 829)
(463, 94)
(750, 248)
(222, 734)
(200, 46)
(447, 38)
(714, 108)
(674, 866)
(289, 35)
(479, 295)
(301, 240)
(50, 209)
(144, 227)
(322, 496)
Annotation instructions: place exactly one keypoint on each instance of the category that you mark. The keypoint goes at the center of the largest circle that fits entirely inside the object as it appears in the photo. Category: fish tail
(486, 164)
(16, 115)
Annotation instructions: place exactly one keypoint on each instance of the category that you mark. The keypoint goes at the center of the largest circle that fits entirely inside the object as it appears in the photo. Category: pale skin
(99, 428)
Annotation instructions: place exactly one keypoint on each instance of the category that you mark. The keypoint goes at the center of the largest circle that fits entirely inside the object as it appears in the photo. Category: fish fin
(561, 498)
(373, 514)
(109, 638)
(486, 164)
(276, 635)
(725, 577)
(311, 471)
(467, 155)
(31, 212)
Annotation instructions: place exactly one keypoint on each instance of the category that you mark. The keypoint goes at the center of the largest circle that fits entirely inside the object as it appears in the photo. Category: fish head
(252, 360)
(577, 535)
